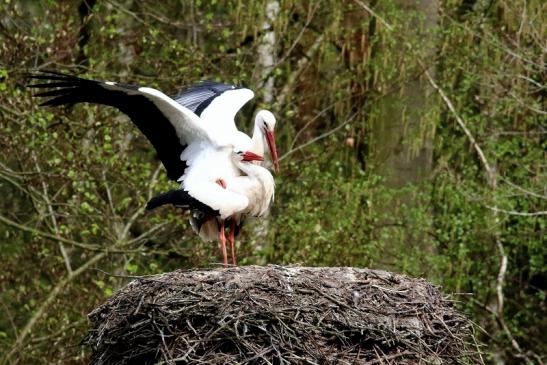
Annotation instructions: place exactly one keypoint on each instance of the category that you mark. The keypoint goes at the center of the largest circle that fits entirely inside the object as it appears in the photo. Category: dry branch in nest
(279, 315)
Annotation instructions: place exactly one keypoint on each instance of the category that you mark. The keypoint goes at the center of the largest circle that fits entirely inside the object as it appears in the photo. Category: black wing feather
(142, 112)
(199, 96)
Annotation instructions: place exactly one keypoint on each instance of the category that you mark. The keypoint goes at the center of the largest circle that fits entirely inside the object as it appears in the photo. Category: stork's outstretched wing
(168, 125)
(216, 103)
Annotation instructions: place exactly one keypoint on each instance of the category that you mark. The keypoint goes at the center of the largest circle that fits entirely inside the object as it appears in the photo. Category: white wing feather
(189, 127)
(221, 112)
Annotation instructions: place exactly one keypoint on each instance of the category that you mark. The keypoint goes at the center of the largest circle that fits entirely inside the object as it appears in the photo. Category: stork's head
(265, 120)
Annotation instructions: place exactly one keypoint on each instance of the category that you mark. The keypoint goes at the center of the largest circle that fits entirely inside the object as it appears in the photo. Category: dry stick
(492, 182)
(48, 301)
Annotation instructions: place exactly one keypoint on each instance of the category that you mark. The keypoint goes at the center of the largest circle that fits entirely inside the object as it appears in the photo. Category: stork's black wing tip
(50, 75)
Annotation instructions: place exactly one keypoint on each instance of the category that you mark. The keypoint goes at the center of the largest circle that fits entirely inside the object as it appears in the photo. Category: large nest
(279, 315)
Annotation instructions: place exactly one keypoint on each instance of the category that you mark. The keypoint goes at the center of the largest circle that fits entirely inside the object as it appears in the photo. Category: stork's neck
(263, 182)
(257, 141)
(259, 173)
(253, 170)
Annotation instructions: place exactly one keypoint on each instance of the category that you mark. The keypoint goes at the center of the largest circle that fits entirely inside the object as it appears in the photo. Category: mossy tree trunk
(402, 124)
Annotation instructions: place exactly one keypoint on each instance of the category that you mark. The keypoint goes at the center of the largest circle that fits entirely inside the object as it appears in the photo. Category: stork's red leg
(231, 240)
(223, 244)
(222, 183)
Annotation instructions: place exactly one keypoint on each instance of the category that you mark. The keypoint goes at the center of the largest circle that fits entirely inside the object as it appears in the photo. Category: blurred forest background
(412, 136)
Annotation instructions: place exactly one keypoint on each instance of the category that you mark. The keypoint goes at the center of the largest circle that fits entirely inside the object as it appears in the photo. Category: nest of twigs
(279, 315)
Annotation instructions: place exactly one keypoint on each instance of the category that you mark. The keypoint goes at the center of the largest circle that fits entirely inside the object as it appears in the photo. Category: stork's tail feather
(175, 197)
(181, 199)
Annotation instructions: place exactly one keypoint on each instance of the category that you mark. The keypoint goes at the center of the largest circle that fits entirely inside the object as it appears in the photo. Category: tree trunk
(266, 62)
(401, 145)
(401, 137)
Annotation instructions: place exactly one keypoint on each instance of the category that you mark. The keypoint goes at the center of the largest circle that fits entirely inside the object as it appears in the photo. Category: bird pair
(196, 139)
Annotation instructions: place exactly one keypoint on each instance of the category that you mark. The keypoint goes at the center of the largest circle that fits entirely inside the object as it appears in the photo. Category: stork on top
(193, 133)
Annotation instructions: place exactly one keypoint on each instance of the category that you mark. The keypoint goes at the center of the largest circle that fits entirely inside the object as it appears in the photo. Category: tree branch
(490, 172)
(49, 206)
(491, 178)
(21, 227)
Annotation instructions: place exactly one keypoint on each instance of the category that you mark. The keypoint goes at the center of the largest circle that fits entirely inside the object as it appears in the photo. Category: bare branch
(490, 173)
(324, 135)
(525, 191)
(514, 212)
(139, 211)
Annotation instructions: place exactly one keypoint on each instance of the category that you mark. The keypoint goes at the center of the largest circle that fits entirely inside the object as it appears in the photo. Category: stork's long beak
(251, 156)
(270, 138)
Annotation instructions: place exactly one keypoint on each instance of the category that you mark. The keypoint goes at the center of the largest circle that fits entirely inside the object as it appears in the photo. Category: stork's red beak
(251, 156)
(270, 138)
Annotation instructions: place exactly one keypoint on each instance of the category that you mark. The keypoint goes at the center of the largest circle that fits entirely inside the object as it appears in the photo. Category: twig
(518, 187)
(138, 212)
(514, 212)
(374, 14)
(324, 135)
(86, 246)
(310, 16)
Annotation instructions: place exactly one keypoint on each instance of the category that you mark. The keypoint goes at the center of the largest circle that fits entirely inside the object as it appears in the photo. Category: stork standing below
(257, 186)
(193, 134)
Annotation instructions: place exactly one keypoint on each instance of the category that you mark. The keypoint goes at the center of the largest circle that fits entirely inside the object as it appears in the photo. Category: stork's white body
(257, 186)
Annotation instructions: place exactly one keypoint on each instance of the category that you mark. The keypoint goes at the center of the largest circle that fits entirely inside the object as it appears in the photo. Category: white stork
(257, 186)
(193, 134)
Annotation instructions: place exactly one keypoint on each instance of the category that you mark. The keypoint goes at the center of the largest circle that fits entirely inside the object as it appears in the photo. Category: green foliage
(76, 179)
